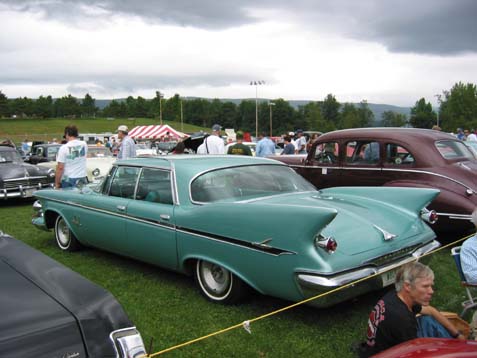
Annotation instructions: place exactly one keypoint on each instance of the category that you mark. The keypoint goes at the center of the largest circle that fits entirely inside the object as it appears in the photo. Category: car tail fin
(411, 199)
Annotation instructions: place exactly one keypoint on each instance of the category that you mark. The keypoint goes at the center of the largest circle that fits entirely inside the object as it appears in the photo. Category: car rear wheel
(64, 237)
(218, 284)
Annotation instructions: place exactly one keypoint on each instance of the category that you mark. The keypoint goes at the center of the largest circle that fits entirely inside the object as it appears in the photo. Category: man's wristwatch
(456, 334)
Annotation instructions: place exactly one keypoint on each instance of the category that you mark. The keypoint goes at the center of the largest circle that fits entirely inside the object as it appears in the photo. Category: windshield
(453, 149)
(10, 157)
(52, 151)
(166, 145)
(99, 152)
(247, 182)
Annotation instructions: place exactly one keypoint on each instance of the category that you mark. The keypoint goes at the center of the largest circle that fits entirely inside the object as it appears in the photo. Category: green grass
(46, 129)
(168, 308)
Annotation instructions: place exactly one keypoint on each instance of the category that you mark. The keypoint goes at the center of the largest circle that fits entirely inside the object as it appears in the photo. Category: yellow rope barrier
(291, 306)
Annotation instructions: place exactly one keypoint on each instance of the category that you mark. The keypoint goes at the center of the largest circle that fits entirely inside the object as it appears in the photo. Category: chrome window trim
(227, 167)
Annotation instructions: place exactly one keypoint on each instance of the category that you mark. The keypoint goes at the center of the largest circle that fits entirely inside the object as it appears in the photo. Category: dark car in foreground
(397, 157)
(47, 310)
(19, 179)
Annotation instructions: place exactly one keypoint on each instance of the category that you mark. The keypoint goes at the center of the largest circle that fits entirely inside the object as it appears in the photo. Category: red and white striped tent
(155, 132)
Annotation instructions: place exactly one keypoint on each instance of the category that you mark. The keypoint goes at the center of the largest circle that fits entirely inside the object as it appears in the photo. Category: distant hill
(377, 109)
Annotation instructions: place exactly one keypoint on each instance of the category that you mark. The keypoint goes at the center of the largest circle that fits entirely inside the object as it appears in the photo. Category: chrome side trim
(456, 216)
(116, 214)
(385, 169)
(429, 173)
(236, 242)
(228, 240)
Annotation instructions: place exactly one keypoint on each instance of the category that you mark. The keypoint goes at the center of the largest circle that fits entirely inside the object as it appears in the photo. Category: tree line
(458, 108)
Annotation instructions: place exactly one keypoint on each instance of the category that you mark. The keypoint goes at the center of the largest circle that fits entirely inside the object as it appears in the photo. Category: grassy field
(46, 129)
(167, 307)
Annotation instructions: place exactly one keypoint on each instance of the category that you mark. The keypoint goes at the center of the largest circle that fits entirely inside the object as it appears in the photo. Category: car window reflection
(362, 152)
(327, 153)
(398, 155)
(453, 149)
(247, 182)
(155, 186)
(124, 182)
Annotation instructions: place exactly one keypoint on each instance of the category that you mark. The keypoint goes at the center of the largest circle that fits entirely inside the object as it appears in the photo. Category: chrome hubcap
(216, 278)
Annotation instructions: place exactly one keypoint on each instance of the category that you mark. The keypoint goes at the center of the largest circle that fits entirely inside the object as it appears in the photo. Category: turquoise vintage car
(236, 223)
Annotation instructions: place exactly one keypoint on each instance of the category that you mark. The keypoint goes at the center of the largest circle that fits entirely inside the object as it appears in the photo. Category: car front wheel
(218, 284)
(64, 237)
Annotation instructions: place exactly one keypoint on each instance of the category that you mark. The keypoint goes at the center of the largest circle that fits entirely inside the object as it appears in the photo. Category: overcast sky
(382, 51)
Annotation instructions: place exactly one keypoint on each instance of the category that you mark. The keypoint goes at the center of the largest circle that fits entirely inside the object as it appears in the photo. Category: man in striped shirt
(468, 255)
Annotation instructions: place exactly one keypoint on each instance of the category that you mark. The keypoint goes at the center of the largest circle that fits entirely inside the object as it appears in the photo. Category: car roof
(193, 164)
(6, 148)
(48, 145)
(199, 162)
(388, 133)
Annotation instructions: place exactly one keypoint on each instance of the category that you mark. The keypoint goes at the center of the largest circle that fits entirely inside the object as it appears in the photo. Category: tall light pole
(182, 118)
(256, 84)
(438, 96)
(160, 106)
(271, 104)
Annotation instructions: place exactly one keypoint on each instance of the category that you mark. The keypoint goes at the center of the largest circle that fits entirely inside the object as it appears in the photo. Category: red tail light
(327, 243)
(429, 215)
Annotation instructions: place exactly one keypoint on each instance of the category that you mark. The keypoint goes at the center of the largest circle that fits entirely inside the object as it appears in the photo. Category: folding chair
(472, 301)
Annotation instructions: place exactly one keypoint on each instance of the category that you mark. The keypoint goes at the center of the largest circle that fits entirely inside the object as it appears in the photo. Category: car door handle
(121, 208)
(165, 217)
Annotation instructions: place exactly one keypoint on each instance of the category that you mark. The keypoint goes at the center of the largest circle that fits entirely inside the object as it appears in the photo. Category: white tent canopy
(155, 132)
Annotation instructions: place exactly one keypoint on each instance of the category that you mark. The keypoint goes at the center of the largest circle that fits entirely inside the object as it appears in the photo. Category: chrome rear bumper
(314, 284)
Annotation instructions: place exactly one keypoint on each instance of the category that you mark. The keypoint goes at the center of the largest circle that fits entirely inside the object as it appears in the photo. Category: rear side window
(327, 153)
(453, 149)
(123, 182)
(155, 186)
(362, 152)
(398, 155)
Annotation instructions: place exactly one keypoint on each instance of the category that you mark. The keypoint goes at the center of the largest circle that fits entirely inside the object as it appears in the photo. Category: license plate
(389, 277)
(28, 193)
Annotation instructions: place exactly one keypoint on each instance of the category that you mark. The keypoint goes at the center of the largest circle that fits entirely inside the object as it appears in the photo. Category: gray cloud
(209, 14)
(439, 27)
(105, 83)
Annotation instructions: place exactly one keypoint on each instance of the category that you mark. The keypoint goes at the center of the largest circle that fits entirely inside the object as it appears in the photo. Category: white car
(252, 146)
(98, 162)
(145, 150)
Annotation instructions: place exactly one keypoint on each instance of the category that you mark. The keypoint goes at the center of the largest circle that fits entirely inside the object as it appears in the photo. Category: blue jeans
(427, 326)
(74, 182)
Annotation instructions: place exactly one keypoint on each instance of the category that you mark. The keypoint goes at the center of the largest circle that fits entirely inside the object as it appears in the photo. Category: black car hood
(20, 170)
(34, 324)
(48, 306)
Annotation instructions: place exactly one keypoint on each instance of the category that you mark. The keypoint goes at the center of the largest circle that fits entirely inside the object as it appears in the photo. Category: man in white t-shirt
(471, 136)
(300, 142)
(71, 159)
(213, 144)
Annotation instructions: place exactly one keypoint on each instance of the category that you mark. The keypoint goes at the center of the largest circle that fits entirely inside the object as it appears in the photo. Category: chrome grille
(32, 182)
